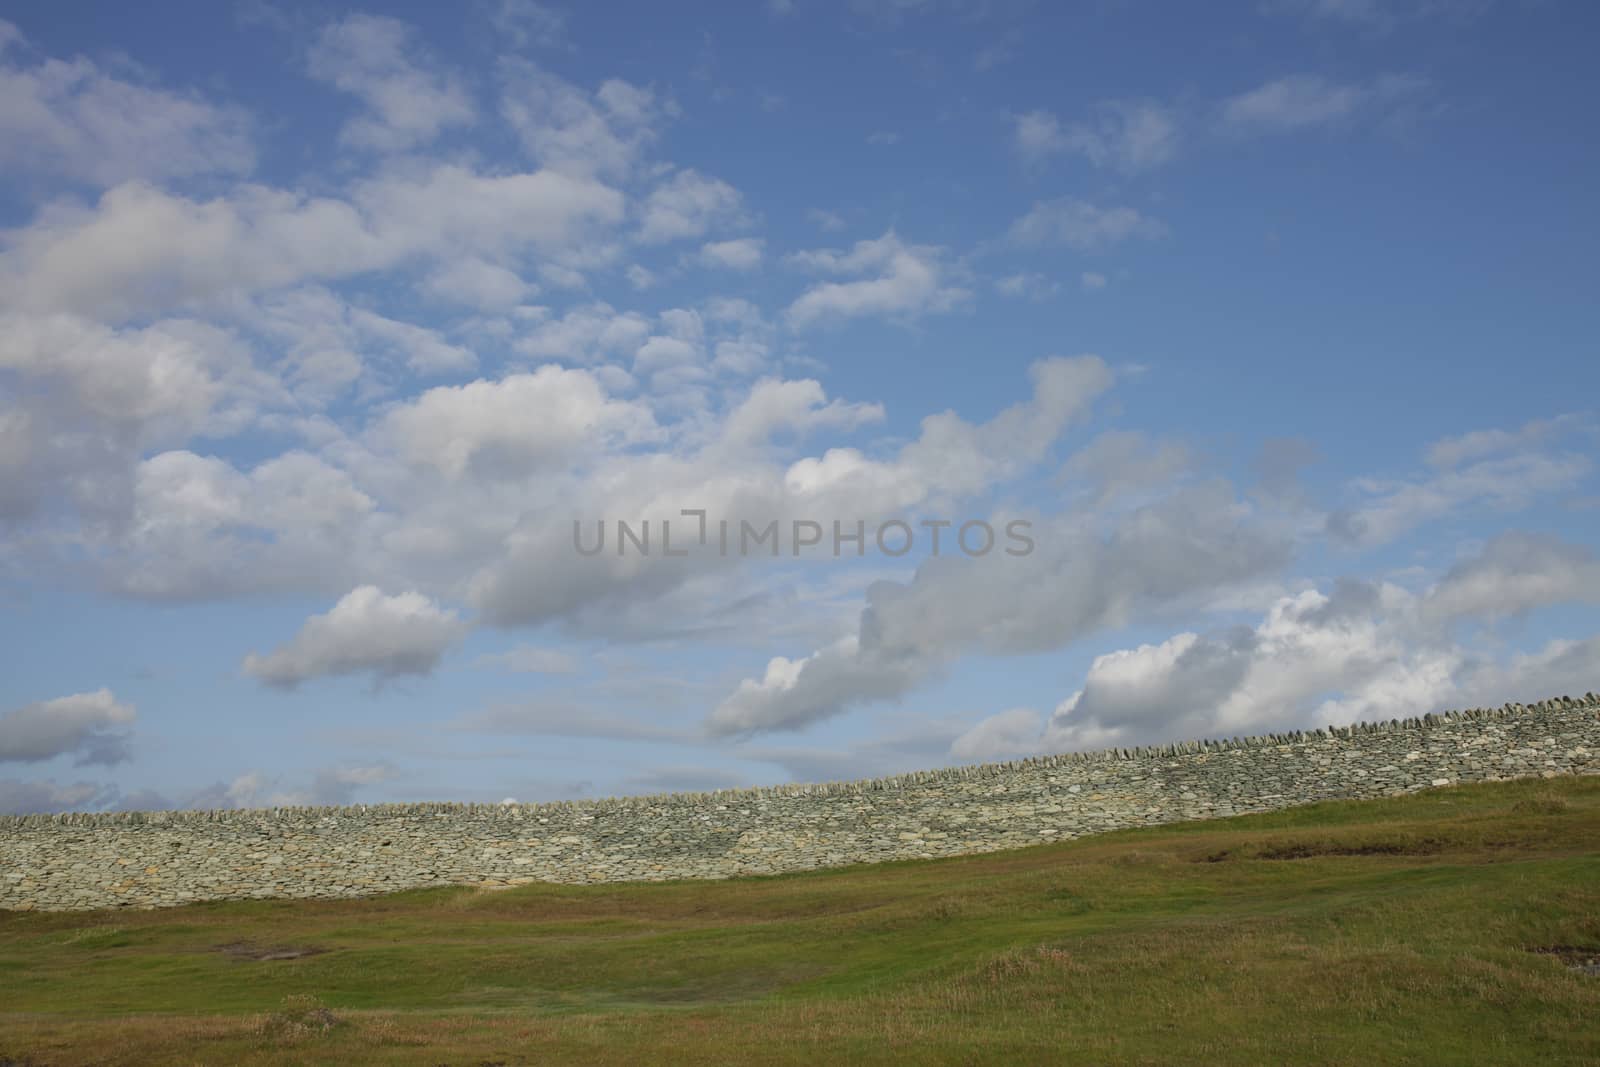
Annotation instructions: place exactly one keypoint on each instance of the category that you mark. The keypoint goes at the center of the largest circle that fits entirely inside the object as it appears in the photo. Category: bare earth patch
(245, 950)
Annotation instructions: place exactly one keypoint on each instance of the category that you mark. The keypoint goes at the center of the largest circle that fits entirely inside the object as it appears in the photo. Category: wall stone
(156, 859)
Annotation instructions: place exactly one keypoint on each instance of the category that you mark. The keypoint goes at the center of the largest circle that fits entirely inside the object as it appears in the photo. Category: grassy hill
(1460, 925)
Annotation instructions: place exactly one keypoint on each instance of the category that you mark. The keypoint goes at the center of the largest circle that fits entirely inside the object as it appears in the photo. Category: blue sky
(321, 326)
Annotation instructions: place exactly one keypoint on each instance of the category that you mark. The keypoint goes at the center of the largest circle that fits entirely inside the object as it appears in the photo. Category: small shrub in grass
(301, 1016)
(1542, 804)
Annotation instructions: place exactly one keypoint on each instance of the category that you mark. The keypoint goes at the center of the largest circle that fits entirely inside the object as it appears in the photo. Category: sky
(1260, 337)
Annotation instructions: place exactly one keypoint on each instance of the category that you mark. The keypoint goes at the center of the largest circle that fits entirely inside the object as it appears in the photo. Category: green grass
(1435, 928)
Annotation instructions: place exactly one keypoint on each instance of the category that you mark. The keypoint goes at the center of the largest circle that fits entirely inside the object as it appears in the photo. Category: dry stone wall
(141, 859)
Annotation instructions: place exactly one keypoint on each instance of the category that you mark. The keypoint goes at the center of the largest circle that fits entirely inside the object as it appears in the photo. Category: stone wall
(155, 859)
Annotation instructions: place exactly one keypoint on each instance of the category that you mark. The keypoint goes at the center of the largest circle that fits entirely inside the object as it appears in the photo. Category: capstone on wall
(141, 859)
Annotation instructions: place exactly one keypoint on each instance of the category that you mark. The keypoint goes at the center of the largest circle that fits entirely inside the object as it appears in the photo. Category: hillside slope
(1452, 926)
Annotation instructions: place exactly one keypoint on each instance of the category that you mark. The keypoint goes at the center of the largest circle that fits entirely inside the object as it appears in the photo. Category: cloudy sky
(1274, 322)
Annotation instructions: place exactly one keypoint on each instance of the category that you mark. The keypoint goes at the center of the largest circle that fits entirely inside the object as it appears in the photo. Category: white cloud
(74, 119)
(1563, 667)
(1363, 651)
(793, 694)
(1515, 574)
(509, 427)
(1121, 462)
(1187, 543)
(1506, 472)
(425, 351)
(1451, 452)
(169, 377)
(329, 345)
(1092, 280)
(375, 58)
(797, 407)
(98, 398)
(200, 528)
(688, 204)
(90, 727)
(478, 283)
(140, 250)
(903, 280)
(1004, 735)
(366, 631)
(730, 475)
(569, 129)
(1082, 225)
(586, 334)
(1123, 135)
(1305, 100)
(741, 254)
(1073, 584)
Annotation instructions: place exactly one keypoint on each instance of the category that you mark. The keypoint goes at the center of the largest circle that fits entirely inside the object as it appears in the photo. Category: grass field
(1445, 927)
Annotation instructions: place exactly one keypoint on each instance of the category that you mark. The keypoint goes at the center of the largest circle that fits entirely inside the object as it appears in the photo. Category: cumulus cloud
(201, 528)
(1005, 735)
(892, 278)
(1361, 651)
(89, 399)
(478, 283)
(511, 426)
(1082, 225)
(1121, 462)
(376, 59)
(1186, 543)
(89, 727)
(1074, 584)
(793, 694)
(329, 344)
(140, 250)
(688, 204)
(798, 407)
(74, 119)
(589, 333)
(570, 129)
(215, 388)
(366, 631)
(733, 476)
